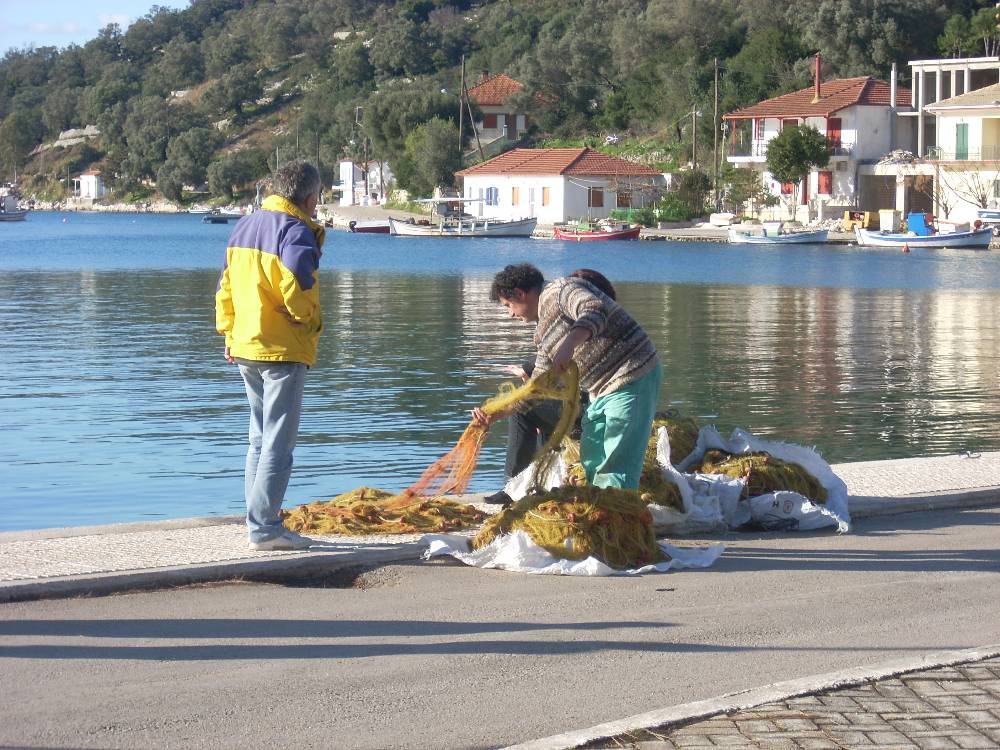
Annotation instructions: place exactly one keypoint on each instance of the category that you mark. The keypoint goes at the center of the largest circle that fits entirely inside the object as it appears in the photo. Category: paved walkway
(59, 562)
(946, 707)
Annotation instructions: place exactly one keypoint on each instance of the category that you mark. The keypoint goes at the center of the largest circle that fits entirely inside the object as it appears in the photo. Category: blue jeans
(616, 430)
(274, 390)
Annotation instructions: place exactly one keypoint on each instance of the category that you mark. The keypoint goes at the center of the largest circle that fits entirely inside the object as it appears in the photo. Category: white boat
(200, 208)
(449, 220)
(463, 228)
(989, 216)
(9, 208)
(979, 238)
(782, 238)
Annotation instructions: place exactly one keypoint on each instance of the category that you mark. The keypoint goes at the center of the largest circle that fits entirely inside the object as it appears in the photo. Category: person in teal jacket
(267, 307)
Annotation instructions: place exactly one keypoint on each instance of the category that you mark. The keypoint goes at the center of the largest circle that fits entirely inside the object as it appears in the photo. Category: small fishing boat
(976, 238)
(449, 220)
(199, 208)
(818, 236)
(10, 210)
(585, 232)
(989, 215)
(380, 226)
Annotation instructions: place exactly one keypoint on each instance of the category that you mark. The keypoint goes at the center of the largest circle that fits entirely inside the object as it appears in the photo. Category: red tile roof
(558, 161)
(834, 96)
(494, 90)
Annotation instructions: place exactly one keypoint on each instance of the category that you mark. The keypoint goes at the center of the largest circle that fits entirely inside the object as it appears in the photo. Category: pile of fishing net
(371, 511)
(763, 473)
(574, 523)
(422, 507)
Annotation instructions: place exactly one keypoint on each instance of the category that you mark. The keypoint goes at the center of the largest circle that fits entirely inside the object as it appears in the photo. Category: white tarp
(516, 552)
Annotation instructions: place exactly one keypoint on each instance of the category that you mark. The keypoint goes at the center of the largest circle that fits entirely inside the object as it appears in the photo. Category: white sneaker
(286, 540)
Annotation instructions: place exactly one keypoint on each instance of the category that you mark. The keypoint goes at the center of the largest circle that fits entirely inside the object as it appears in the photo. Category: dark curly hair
(523, 276)
(598, 279)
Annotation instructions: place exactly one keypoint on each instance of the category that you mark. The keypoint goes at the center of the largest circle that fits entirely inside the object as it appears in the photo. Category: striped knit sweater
(618, 352)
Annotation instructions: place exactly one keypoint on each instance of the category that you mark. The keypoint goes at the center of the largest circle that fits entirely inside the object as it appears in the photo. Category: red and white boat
(591, 232)
(369, 227)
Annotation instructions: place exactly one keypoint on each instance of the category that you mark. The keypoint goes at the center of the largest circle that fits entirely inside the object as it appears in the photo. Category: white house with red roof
(558, 184)
(500, 119)
(89, 185)
(858, 118)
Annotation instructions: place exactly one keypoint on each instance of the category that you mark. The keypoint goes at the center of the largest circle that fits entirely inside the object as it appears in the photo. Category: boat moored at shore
(463, 228)
(584, 232)
(819, 236)
(976, 238)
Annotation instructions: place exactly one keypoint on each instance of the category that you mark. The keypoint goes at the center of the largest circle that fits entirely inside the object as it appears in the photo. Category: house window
(833, 126)
(546, 198)
(490, 121)
(624, 199)
(492, 196)
(789, 122)
(786, 188)
(758, 129)
(595, 197)
(515, 196)
(824, 183)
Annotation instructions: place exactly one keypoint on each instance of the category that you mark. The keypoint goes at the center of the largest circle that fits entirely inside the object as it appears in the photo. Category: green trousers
(616, 430)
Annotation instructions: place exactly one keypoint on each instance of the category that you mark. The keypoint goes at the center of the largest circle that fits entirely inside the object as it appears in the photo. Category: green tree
(20, 132)
(235, 171)
(954, 40)
(983, 32)
(233, 91)
(149, 126)
(391, 116)
(431, 158)
(793, 153)
(188, 155)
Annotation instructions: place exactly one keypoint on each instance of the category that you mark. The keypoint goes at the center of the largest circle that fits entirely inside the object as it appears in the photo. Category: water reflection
(116, 403)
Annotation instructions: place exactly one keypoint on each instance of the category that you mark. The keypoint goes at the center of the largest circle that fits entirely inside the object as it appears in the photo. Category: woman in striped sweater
(619, 366)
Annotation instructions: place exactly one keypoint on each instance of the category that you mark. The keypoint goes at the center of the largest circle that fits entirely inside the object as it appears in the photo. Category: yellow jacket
(267, 303)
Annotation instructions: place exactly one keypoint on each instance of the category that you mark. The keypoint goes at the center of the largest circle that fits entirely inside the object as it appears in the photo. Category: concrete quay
(65, 562)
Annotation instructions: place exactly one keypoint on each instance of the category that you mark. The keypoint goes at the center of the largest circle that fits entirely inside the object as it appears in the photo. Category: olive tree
(793, 153)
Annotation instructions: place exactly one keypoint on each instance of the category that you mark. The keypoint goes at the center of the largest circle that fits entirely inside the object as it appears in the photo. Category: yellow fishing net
(764, 473)
(370, 511)
(682, 431)
(420, 507)
(573, 523)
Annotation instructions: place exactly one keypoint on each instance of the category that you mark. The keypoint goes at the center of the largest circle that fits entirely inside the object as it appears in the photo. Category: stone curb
(308, 563)
(747, 699)
(869, 507)
(286, 566)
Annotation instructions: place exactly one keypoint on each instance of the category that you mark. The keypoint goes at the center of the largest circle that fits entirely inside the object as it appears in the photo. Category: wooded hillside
(216, 92)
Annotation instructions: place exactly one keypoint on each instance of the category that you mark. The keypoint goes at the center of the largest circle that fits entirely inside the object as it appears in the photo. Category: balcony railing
(986, 152)
(754, 148)
(759, 149)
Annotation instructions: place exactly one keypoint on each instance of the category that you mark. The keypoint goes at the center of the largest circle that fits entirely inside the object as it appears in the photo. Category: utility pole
(461, 104)
(715, 136)
(694, 138)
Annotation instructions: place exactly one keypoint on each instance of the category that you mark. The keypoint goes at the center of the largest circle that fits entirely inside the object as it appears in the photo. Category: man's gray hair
(296, 181)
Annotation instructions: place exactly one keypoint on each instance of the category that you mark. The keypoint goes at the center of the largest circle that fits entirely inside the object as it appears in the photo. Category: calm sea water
(116, 404)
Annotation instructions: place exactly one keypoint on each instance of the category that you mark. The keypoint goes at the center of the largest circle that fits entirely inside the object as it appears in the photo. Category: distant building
(500, 120)
(89, 186)
(360, 188)
(856, 115)
(558, 184)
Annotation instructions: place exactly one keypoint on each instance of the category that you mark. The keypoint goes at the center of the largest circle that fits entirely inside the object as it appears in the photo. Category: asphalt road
(436, 655)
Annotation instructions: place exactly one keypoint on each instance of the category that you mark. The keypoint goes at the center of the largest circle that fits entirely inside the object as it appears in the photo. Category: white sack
(516, 552)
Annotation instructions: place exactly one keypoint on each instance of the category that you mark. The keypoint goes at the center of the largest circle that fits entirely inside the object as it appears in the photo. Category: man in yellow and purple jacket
(267, 307)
